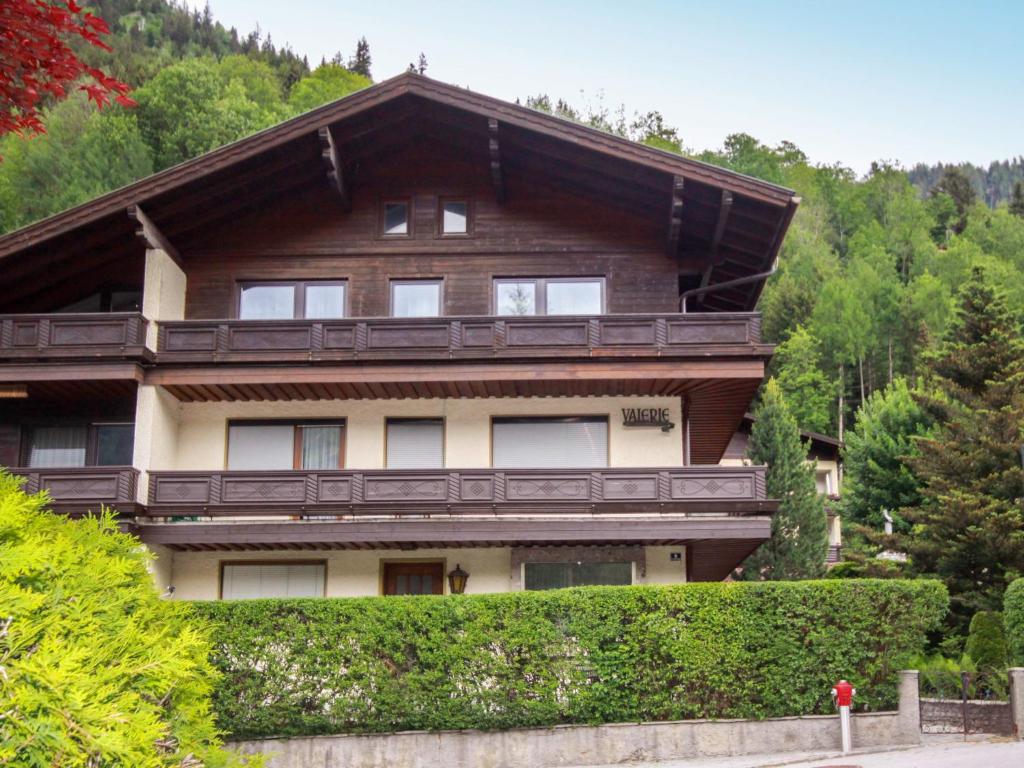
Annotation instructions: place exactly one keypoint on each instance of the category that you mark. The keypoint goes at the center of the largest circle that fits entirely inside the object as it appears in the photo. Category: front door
(414, 578)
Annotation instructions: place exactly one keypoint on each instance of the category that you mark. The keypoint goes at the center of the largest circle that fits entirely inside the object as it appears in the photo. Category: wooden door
(414, 578)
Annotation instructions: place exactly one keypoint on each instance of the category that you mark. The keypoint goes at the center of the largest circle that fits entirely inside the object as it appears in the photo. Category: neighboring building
(414, 329)
(826, 454)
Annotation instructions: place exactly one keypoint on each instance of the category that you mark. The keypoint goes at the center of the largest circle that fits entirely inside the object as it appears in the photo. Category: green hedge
(591, 655)
(1013, 620)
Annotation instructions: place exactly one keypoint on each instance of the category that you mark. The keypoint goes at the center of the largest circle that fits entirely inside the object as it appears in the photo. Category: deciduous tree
(38, 62)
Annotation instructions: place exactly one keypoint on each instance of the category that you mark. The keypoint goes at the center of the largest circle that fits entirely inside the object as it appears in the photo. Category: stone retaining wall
(596, 745)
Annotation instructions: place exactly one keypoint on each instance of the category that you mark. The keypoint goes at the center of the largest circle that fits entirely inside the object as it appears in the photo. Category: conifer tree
(798, 544)
(969, 527)
(1017, 200)
(360, 61)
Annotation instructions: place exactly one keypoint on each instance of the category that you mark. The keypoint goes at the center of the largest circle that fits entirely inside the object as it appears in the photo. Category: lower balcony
(78, 491)
(719, 514)
(726, 490)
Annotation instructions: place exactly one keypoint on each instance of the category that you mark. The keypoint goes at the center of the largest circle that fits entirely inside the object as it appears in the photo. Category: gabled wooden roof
(719, 223)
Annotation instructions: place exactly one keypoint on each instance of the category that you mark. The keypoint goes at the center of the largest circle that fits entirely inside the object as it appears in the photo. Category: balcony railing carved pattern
(451, 337)
(92, 335)
(232, 492)
(83, 488)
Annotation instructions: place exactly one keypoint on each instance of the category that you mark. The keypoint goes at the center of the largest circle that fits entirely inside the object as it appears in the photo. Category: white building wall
(357, 573)
(202, 435)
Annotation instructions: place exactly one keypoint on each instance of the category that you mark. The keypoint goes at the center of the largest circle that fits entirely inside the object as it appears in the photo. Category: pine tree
(876, 473)
(360, 61)
(798, 544)
(969, 527)
(1017, 199)
(958, 186)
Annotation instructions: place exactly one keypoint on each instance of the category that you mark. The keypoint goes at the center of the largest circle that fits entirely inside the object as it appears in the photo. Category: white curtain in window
(58, 447)
(267, 302)
(321, 446)
(543, 444)
(416, 444)
(325, 301)
(569, 298)
(246, 582)
(416, 299)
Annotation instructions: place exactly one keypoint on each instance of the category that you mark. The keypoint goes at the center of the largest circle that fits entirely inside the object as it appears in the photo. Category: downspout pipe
(727, 284)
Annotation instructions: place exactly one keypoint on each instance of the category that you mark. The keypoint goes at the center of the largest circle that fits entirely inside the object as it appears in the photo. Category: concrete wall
(357, 573)
(202, 437)
(595, 745)
(156, 433)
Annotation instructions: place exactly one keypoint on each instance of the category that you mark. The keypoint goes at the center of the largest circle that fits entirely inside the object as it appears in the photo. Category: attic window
(454, 217)
(396, 218)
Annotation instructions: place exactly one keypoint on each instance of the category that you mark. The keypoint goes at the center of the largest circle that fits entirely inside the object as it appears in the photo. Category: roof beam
(494, 150)
(151, 235)
(334, 168)
(675, 216)
(720, 223)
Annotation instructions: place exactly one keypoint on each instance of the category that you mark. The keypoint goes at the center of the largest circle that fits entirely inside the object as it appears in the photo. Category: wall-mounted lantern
(457, 580)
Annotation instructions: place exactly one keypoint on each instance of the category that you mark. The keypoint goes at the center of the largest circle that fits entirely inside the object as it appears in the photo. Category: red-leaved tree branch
(37, 61)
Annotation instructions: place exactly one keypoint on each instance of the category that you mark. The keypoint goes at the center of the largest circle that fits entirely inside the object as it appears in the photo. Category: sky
(847, 82)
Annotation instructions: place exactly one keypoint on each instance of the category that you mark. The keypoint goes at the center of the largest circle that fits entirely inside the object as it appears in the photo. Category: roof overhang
(718, 223)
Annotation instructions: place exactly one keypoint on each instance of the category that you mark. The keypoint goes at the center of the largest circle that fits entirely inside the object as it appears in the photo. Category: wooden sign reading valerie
(647, 417)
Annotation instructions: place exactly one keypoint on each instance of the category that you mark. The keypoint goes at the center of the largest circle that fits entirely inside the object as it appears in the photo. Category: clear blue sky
(848, 82)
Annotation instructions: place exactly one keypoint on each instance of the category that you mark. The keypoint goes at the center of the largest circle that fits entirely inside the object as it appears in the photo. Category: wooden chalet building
(414, 329)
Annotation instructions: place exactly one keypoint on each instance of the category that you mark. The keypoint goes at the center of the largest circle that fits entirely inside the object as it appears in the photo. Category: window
(454, 217)
(557, 443)
(114, 444)
(81, 445)
(396, 218)
(414, 578)
(549, 296)
(823, 481)
(319, 300)
(272, 445)
(415, 298)
(58, 446)
(561, 575)
(108, 300)
(247, 581)
(415, 443)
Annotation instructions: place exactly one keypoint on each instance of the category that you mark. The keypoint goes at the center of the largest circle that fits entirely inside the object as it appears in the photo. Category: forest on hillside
(868, 275)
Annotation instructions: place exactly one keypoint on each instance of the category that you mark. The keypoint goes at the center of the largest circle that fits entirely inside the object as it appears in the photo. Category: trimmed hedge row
(1013, 620)
(590, 655)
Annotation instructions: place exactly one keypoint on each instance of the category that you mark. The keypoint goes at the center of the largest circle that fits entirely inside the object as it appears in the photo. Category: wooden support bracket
(151, 235)
(334, 168)
(675, 216)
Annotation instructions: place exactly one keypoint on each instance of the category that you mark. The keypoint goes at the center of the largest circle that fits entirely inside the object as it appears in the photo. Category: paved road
(941, 754)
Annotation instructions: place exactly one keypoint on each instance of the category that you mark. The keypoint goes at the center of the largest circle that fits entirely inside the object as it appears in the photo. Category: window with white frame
(415, 298)
(314, 300)
(549, 296)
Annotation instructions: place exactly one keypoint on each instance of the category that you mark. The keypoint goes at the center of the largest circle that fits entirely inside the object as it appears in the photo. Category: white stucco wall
(163, 295)
(355, 573)
(202, 434)
(156, 433)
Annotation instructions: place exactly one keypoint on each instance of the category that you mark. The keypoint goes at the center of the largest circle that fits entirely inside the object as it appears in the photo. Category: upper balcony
(442, 339)
(90, 336)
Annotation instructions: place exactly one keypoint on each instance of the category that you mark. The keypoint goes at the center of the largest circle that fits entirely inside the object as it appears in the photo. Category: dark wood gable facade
(131, 307)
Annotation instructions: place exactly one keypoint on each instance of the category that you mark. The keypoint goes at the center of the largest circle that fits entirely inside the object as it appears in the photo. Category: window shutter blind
(247, 582)
(261, 446)
(415, 444)
(554, 443)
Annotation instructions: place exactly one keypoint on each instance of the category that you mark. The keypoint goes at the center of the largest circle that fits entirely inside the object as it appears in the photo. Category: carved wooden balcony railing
(78, 490)
(456, 338)
(100, 335)
(418, 492)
